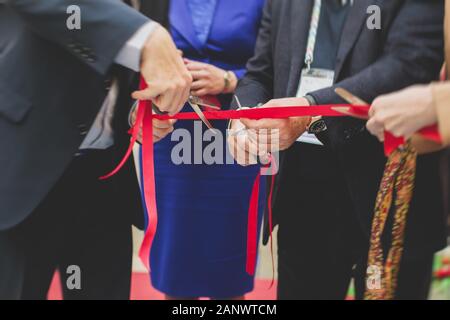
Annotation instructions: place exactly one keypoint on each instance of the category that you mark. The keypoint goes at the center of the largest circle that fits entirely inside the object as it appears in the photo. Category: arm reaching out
(106, 26)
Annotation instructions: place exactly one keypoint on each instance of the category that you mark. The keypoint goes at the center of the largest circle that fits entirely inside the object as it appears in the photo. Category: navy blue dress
(200, 246)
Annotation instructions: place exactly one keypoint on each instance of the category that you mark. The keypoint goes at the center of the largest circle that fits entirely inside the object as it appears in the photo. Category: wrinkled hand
(161, 128)
(402, 113)
(163, 69)
(258, 138)
(243, 150)
(272, 135)
(208, 79)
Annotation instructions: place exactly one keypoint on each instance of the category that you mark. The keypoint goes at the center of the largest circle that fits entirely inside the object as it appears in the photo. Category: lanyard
(314, 26)
(315, 18)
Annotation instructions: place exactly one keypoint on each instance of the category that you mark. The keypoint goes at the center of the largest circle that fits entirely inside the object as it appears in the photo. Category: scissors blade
(201, 115)
(238, 101)
(354, 100)
(350, 97)
(157, 110)
(351, 112)
(200, 102)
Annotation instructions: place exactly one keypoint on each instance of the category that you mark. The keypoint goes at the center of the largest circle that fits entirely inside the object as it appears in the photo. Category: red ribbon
(148, 167)
(390, 144)
(252, 227)
(268, 113)
(144, 120)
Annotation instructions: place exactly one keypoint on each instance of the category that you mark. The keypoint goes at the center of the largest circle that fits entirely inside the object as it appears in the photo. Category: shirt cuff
(130, 54)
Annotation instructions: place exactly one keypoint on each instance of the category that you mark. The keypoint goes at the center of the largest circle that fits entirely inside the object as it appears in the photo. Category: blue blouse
(226, 45)
(202, 12)
(200, 247)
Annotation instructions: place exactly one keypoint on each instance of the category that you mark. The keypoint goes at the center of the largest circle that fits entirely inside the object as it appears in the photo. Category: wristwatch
(227, 80)
(317, 125)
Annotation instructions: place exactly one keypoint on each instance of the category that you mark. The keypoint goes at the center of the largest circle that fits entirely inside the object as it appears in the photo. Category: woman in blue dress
(200, 246)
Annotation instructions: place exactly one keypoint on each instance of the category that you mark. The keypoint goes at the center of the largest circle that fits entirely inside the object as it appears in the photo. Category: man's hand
(163, 69)
(161, 128)
(272, 135)
(402, 113)
(243, 150)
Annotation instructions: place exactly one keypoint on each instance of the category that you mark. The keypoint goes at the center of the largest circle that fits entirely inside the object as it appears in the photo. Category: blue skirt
(200, 246)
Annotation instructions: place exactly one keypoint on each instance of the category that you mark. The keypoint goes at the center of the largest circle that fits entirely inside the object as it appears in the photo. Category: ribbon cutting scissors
(391, 142)
(195, 103)
(235, 133)
(354, 100)
(199, 101)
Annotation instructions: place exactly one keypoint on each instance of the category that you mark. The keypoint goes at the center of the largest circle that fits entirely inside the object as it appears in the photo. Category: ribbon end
(144, 257)
(250, 270)
(391, 143)
(106, 177)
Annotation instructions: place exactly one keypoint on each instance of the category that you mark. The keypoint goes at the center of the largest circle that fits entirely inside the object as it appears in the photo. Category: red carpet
(142, 290)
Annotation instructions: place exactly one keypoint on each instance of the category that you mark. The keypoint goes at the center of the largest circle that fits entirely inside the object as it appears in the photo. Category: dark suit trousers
(321, 243)
(81, 223)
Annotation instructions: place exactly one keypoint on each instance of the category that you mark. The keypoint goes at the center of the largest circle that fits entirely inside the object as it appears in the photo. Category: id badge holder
(312, 80)
(315, 79)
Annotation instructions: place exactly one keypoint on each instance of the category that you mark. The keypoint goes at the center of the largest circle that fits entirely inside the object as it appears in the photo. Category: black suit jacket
(407, 50)
(53, 82)
(157, 10)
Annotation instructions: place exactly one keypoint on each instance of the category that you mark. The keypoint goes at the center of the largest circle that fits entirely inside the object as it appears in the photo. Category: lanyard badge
(313, 79)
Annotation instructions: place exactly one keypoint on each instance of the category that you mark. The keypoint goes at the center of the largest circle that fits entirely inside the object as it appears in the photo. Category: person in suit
(58, 88)
(200, 247)
(327, 184)
(407, 111)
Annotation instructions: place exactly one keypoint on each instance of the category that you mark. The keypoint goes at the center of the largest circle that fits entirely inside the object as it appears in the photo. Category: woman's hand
(209, 79)
(402, 113)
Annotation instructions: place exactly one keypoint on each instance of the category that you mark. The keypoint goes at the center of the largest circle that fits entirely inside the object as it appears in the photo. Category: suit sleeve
(257, 84)
(412, 54)
(106, 26)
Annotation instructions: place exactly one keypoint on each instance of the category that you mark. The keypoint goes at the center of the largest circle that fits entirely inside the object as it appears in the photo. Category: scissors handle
(157, 111)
